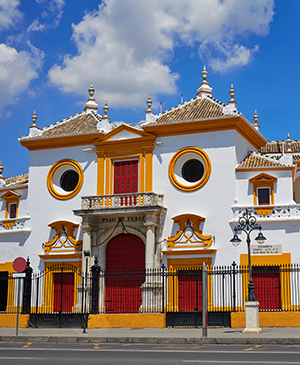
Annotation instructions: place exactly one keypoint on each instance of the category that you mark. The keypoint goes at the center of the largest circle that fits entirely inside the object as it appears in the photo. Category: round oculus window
(189, 169)
(69, 180)
(65, 179)
(192, 170)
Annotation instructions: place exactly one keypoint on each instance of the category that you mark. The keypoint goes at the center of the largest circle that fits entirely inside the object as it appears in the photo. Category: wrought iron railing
(62, 289)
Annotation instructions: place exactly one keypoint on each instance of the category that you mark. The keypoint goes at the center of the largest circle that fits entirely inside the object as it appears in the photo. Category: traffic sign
(19, 264)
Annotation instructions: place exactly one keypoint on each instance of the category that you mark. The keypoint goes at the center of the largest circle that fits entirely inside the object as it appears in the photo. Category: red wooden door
(63, 292)
(190, 291)
(266, 280)
(125, 268)
(126, 179)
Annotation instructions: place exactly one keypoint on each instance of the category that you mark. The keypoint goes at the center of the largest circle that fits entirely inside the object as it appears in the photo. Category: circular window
(192, 170)
(65, 179)
(189, 169)
(69, 180)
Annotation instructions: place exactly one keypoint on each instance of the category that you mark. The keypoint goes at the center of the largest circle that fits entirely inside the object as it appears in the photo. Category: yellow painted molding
(238, 123)
(63, 228)
(210, 251)
(189, 222)
(263, 181)
(50, 186)
(9, 223)
(10, 320)
(136, 320)
(207, 169)
(268, 319)
(264, 211)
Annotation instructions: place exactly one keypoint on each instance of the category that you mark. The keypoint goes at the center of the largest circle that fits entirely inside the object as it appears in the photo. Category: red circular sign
(19, 264)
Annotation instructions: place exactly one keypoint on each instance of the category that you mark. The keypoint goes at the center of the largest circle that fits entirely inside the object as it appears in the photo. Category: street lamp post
(247, 224)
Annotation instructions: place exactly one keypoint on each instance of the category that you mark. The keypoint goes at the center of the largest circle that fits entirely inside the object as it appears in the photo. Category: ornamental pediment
(189, 234)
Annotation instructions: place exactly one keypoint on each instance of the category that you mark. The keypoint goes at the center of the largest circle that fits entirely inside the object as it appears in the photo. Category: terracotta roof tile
(194, 109)
(82, 123)
(17, 180)
(255, 160)
(276, 147)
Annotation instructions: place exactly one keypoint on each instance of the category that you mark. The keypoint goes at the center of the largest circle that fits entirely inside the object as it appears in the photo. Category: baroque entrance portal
(125, 255)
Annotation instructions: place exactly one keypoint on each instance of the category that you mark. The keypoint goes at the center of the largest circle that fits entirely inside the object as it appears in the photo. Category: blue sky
(51, 50)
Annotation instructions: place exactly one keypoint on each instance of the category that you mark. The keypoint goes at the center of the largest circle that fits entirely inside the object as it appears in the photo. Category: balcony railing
(271, 213)
(122, 200)
(15, 225)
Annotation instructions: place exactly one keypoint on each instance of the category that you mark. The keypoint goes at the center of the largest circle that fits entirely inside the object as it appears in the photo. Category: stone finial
(2, 181)
(34, 130)
(91, 103)
(204, 73)
(288, 144)
(149, 103)
(255, 118)
(34, 119)
(91, 90)
(105, 109)
(232, 92)
(204, 88)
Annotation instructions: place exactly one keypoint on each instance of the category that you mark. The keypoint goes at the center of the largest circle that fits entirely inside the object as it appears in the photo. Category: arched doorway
(125, 273)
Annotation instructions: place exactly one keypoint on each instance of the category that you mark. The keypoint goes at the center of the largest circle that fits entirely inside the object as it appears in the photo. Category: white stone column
(150, 241)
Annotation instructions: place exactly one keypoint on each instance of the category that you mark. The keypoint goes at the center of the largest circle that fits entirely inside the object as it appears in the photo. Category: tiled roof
(194, 109)
(82, 123)
(276, 147)
(256, 160)
(14, 181)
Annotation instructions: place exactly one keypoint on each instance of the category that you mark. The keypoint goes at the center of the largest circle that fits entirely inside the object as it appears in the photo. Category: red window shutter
(126, 177)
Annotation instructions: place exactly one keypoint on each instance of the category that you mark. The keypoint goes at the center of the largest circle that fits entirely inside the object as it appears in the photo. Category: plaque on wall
(266, 250)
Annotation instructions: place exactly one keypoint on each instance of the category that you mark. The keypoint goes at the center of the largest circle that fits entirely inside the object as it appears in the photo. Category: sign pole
(18, 306)
(204, 300)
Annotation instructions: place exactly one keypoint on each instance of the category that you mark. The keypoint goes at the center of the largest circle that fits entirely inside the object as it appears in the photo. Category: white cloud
(124, 47)
(17, 69)
(9, 14)
(52, 14)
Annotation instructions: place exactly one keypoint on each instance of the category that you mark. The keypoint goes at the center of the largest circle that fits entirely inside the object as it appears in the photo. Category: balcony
(274, 213)
(120, 201)
(16, 225)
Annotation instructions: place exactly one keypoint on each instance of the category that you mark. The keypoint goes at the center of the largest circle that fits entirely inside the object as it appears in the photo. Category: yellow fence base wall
(138, 320)
(268, 319)
(10, 320)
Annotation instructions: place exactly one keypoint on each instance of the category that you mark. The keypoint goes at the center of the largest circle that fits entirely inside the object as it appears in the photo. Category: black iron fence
(63, 288)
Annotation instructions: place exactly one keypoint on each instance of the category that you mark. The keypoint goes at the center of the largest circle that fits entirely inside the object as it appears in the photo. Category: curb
(154, 340)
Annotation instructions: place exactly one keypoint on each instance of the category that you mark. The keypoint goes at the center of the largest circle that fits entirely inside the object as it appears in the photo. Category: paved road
(131, 354)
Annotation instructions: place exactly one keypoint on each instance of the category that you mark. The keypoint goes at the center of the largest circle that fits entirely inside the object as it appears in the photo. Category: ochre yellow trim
(69, 228)
(136, 320)
(268, 319)
(205, 177)
(62, 257)
(172, 280)
(11, 198)
(190, 222)
(100, 170)
(148, 151)
(10, 320)
(48, 297)
(50, 176)
(263, 181)
(237, 123)
(264, 211)
(9, 223)
(272, 260)
(8, 266)
(209, 251)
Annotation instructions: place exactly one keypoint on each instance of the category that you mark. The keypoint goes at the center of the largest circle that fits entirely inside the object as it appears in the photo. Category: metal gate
(184, 299)
(59, 298)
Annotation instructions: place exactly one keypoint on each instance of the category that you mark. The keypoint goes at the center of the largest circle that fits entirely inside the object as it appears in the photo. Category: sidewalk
(280, 336)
